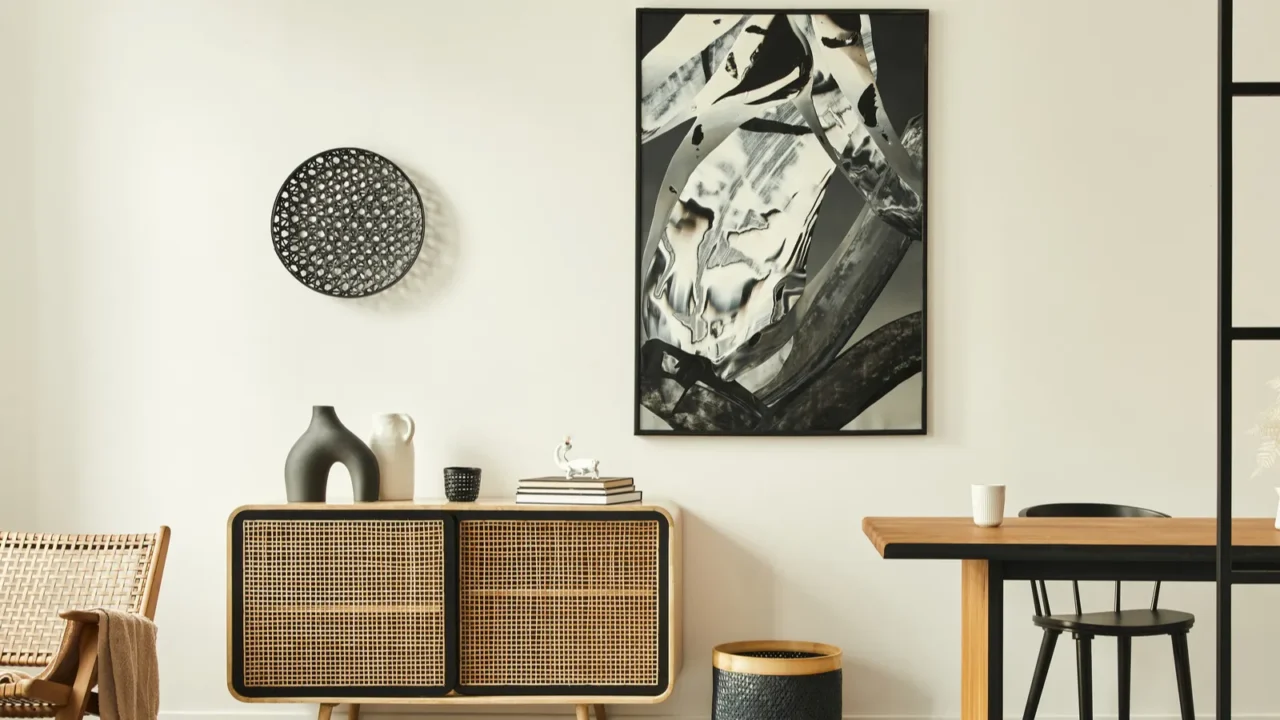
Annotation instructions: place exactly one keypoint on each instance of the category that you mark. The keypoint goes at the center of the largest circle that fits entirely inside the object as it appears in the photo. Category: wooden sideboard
(453, 603)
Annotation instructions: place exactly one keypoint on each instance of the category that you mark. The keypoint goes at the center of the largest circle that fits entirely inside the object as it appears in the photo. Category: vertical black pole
(1224, 358)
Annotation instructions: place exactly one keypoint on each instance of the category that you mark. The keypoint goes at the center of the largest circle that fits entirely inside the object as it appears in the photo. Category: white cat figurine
(584, 467)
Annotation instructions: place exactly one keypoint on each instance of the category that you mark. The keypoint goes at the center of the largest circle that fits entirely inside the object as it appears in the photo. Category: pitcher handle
(412, 428)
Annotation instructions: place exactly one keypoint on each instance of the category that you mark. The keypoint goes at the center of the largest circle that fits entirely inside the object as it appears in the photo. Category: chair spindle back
(1039, 593)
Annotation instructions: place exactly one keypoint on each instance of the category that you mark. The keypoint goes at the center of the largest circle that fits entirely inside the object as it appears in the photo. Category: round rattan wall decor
(348, 223)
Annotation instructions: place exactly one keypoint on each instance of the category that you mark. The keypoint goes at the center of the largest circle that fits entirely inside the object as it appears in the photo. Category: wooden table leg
(353, 712)
(600, 713)
(326, 712)
(981, 640)
(582, 712)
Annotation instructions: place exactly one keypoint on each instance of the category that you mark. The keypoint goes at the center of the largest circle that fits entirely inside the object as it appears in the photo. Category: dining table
(1166, 549)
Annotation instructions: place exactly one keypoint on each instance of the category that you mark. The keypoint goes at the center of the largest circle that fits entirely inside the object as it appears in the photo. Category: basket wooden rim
(729, 657)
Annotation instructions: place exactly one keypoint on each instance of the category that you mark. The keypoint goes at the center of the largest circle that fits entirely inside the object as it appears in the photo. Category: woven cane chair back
(44, 574)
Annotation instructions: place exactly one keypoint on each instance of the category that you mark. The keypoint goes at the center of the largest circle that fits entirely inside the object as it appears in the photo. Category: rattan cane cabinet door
(570, 603)
(340, 604)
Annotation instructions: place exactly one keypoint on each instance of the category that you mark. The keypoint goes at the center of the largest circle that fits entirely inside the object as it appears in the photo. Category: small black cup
(462, 484)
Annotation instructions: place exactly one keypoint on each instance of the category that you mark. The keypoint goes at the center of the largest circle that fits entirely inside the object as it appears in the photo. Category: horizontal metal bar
(1255, 333)
(1256, 577)
(1247, 573)
(1255, 89)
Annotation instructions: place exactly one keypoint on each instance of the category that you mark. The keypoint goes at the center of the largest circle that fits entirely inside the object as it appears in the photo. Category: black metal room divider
(1228, 334)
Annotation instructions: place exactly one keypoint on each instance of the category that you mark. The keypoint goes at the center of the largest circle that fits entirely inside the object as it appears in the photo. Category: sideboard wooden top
(663, 506)
(958, 537)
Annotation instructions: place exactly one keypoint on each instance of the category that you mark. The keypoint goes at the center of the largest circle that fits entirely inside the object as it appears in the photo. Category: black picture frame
(639, 269)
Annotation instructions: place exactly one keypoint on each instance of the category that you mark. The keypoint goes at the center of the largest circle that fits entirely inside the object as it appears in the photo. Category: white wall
(17, 277)
(1071, 306)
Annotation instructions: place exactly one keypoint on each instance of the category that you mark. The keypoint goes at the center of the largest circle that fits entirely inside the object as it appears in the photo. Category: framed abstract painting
(781, 195)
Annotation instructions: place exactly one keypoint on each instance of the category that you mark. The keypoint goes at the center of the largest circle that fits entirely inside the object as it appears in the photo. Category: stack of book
(578, 491)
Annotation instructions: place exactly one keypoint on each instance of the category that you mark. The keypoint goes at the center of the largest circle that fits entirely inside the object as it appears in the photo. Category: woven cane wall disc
(348, 223)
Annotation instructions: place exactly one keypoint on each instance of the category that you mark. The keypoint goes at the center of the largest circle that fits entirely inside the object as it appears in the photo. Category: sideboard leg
(583, 712)
(600, 713)
(326, 712)
(353, 713)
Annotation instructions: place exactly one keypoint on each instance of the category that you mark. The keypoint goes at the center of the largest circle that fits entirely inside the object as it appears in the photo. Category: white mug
(988, 505)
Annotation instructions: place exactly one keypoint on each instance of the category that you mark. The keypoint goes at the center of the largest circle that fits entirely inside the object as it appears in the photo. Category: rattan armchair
(48, 585)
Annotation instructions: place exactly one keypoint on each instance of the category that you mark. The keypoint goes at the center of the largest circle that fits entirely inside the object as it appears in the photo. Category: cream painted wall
(1071, 313)
(17, 279)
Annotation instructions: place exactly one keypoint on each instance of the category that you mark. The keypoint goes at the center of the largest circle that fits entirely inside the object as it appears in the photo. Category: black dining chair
(1123, 625)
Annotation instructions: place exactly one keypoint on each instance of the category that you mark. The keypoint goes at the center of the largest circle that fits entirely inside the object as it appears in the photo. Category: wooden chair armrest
(80, 616)
(81, 631)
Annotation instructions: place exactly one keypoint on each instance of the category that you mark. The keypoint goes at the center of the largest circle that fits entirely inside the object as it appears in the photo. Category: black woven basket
(461, 484)
(770, 679)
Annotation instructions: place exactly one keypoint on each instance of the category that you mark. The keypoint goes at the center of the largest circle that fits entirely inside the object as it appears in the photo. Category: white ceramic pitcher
(392, 443)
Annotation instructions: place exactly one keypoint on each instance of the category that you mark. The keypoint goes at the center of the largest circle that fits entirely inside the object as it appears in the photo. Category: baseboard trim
(403, 712)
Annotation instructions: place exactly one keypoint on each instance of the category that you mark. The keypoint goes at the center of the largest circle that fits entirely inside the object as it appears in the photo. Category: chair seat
(1126, 623)
(22, 696)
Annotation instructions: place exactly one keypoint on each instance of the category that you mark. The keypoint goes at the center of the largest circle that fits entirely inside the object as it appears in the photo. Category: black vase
(327, 441)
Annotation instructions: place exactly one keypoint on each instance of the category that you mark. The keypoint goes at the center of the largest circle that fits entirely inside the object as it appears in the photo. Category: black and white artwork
(781, 177)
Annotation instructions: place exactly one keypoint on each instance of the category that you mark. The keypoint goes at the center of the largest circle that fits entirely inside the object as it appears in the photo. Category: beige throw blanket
(128, 671)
